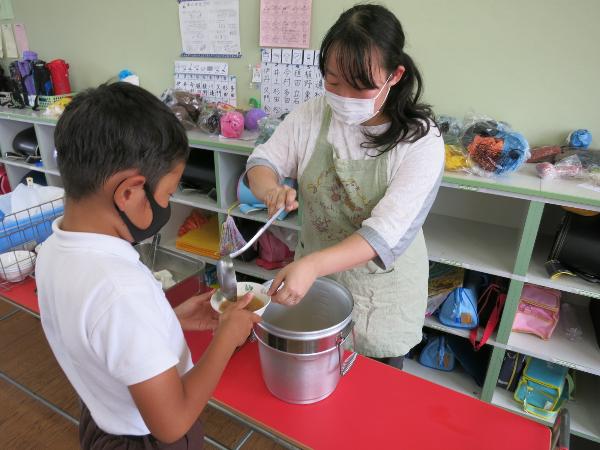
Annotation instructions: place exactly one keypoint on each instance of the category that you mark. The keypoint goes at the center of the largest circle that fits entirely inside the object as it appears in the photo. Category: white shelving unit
(291, 221)
(475, 223)
(457, 380)
(583, 409)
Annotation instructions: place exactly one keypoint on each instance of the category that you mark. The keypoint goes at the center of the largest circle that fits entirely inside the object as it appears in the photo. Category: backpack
(577, 248)
(272, 252)
(538, 311)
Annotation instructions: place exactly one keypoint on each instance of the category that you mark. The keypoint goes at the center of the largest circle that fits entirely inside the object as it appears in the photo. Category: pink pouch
(273, 253)
(538, 311)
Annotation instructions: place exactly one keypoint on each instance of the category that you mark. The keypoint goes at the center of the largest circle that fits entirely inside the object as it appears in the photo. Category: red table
(374, 406)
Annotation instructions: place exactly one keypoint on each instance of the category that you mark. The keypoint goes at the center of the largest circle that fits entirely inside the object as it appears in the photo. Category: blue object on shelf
(249, 203)
(581, 138)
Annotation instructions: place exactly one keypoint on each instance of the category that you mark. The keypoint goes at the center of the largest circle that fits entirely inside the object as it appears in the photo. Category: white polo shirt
(108, 323)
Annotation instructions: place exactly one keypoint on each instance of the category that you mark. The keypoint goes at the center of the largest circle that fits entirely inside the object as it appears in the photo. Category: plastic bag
(493, 147)
(266, 127)
(185, 105)
(231, 238)
(569, 167)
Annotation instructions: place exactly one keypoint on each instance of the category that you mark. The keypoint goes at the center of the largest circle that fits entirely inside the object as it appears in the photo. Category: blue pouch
(459, 310)
(438, 355)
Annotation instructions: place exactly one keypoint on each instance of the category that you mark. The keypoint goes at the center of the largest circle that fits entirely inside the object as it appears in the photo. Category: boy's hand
(235, 324)
(196, 313)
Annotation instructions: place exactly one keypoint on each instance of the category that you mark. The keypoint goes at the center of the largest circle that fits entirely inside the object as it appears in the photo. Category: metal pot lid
(325, 310)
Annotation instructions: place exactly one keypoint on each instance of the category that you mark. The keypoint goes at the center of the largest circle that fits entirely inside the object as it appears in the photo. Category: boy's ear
(130, 193)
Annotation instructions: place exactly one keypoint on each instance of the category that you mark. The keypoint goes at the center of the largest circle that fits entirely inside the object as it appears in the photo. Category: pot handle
(349, 361)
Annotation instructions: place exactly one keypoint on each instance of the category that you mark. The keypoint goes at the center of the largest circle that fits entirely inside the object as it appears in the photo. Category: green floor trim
(528, 236)
(491, 377)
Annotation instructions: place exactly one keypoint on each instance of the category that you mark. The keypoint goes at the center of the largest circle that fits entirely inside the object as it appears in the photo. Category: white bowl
(243, 287)
(15, 266)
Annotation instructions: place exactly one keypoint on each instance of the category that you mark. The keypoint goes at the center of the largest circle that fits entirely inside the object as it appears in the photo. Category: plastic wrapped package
(493, 147)
(456, 158)
(210, 118)
(266, 127)
(451, 128)
(185, 105)
(569, 167)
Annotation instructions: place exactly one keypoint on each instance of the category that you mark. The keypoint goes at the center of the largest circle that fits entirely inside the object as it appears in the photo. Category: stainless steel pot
(301, 347)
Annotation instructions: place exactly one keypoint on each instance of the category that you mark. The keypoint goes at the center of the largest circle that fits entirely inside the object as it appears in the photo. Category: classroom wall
(533, 63)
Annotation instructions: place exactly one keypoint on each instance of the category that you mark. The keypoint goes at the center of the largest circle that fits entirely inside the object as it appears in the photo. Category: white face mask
(354, 111)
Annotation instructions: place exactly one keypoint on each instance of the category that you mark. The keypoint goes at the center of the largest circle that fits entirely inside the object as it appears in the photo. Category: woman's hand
(196, 313)
(279, 197)
(297, 278)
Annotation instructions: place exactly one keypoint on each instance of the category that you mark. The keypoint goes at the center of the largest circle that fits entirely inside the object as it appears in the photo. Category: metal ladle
(225, 269)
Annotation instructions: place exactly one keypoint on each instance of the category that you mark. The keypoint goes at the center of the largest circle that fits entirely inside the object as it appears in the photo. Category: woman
(369, 160)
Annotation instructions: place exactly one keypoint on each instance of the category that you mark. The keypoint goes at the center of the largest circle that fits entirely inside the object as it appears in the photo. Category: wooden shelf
(457, 380)
(473, 245)
(433, 323)
(537, 273)
(583, 355)
(583, 409)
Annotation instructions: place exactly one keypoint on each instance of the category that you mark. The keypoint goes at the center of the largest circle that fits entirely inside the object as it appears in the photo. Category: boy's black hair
(367, 31)
(116, 127)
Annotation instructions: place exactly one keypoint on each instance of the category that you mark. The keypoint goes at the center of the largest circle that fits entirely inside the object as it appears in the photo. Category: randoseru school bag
(437, 355)
(459, 310)
(577, 247)
(543, 388)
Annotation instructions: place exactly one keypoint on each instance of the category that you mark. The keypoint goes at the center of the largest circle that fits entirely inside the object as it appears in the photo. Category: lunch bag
(437, 355)
(272, 252)
(538, 311)
(543, 388)
(459, 310)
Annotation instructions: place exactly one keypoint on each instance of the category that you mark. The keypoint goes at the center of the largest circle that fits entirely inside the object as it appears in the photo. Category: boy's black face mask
(160, 216)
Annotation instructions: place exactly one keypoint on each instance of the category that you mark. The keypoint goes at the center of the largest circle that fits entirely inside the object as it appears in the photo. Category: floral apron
(337, 196)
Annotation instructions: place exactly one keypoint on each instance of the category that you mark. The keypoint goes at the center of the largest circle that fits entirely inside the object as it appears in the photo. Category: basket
(20, 235)
(46, 100)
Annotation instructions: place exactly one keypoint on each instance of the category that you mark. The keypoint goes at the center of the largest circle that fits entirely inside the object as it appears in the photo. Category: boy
(121, 153)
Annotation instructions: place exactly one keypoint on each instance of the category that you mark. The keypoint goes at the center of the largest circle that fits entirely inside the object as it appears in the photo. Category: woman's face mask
(354, 111)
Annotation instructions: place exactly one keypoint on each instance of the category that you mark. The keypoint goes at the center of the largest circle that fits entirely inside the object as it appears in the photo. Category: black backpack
(577, 247)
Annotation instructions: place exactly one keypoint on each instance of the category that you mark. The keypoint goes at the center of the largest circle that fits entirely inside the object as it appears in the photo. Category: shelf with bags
(434, 323)
(583, 408)
(583, 355)
(25, 165)
(537, 273)
(457, 380)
